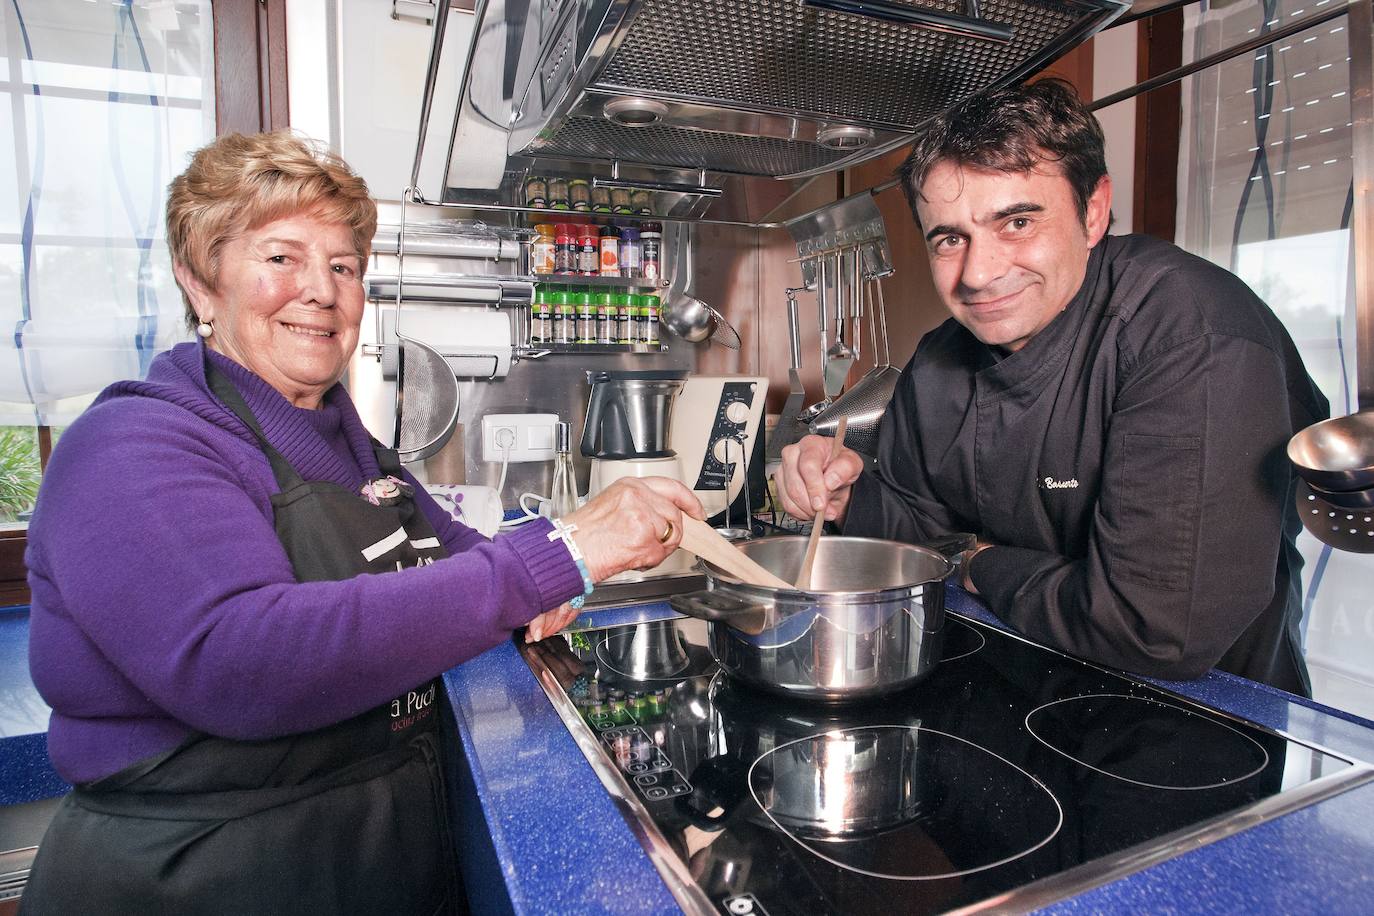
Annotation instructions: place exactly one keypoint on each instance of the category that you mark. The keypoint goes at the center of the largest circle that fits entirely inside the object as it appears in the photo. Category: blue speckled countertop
(562, 846)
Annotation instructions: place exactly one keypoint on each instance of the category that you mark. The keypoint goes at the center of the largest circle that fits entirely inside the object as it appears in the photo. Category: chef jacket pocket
(1160, 509)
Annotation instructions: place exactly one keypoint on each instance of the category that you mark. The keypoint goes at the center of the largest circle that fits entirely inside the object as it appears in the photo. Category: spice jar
(624, 317)
(536, 192)
(620, 200)
(541, 320)
(564, 319)
(588, 251)
(641, 202)
(601, 200)
(610, 251)
(651, 245)
(631, 253)
(605, 317)
(586, 318)
(565, 249)
(558, 194)
(580, 195)
(641, 313)
(650, 310)
(542, 260)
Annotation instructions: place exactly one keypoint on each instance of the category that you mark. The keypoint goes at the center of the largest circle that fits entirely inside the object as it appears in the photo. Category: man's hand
(808, 482)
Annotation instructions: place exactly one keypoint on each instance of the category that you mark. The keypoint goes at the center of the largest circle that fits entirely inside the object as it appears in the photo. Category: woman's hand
(550, 622)
(635, 523)
(808, 482)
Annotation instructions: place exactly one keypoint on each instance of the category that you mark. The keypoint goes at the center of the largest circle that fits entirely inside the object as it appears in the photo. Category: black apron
(350, 818)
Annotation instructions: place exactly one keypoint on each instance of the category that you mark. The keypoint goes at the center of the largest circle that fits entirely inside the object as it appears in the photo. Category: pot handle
(717, 607)
(954, 547)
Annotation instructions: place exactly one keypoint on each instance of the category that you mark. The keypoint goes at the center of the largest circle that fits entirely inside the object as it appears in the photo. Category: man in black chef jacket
(1107, 413)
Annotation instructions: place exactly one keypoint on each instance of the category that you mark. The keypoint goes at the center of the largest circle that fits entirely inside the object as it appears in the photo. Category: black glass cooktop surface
(1009, 777)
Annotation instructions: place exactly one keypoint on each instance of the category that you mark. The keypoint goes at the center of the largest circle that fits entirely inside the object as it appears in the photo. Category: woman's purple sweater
(163, 602)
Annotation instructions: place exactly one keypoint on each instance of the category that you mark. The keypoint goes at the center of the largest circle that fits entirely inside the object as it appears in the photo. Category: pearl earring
(205, 329)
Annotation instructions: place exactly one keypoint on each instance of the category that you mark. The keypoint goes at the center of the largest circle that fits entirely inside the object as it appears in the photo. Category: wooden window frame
(250, 65)
(1158, 128)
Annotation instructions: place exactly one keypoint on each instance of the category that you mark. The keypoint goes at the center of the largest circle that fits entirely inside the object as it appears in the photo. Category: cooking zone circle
(853, 796)
(1146, 742)
(960, 641)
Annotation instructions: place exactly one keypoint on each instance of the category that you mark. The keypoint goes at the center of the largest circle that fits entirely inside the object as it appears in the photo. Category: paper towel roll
(476, 507)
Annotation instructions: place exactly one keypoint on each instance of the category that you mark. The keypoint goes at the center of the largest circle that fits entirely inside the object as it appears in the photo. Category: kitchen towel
(476, 507)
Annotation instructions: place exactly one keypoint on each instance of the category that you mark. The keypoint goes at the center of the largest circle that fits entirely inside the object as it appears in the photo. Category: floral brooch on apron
(386, 491)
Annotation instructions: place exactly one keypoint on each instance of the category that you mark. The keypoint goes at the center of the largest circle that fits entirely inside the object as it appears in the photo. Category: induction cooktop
(1010, 777)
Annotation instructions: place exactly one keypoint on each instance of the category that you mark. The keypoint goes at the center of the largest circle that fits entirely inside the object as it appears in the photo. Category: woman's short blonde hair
(242, 181)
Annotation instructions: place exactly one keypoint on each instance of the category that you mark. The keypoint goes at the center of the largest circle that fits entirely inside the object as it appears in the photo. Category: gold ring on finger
(667, 534)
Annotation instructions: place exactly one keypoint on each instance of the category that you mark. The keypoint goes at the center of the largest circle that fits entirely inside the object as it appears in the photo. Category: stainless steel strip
(674, 873)
(949, 23)
(436, 47)
(1038, 894)
(1362, 216)
(1211, 60)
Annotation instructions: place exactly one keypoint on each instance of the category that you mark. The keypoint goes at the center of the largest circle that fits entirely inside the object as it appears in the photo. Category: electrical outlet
(516, 437)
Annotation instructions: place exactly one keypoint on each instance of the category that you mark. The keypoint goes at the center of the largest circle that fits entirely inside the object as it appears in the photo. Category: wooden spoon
(704, 541)
(818, 523)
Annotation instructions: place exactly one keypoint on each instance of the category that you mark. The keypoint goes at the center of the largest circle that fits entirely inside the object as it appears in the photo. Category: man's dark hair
(1011, 130)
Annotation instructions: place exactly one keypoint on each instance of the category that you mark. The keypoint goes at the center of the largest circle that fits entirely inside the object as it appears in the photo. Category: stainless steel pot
(871, 623)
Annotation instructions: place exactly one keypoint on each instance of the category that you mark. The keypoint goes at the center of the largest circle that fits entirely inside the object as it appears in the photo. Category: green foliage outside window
(19, 472)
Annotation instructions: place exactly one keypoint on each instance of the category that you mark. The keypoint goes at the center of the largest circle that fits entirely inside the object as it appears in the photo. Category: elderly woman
(239, 617)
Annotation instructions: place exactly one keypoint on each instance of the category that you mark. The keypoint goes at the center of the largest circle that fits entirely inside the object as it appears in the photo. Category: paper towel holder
(441, 327)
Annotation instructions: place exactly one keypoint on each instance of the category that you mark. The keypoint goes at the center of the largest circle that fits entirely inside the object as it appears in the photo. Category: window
(1265, 190)
(103, 103)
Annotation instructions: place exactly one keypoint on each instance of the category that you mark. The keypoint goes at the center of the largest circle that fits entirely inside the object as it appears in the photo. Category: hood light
(844, 136)
(632, 112)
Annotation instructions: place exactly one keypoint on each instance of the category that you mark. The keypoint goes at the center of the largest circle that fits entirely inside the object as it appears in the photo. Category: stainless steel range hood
(780, 88)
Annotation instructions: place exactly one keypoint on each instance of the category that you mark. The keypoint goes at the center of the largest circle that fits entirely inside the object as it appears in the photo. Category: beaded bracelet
(563, 532)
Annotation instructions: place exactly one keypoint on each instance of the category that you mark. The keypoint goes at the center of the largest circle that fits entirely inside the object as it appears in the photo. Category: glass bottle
(651, 254)
(541, 328)
(542, 249)
(564, 319)
(565, 249)
(605, 318)
(586, 318)
(601, 200)
(558, 194)
(563, 499)
(641, 202)
(610, 251)
(651, 335)
(624, 314)
(580, 195)
(536, 192)
(631, 253)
